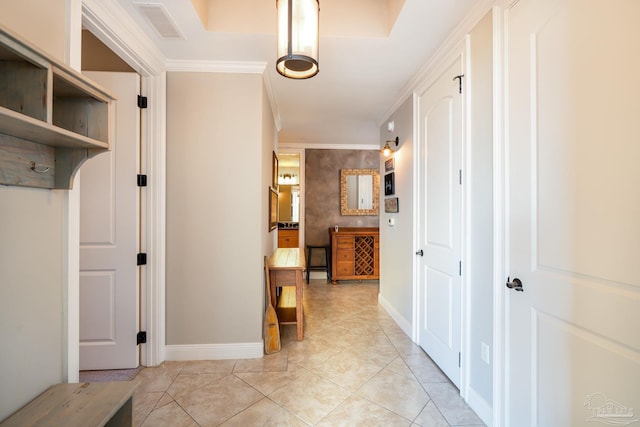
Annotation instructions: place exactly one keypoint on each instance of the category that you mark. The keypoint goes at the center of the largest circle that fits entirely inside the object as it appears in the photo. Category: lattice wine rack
(364, 255)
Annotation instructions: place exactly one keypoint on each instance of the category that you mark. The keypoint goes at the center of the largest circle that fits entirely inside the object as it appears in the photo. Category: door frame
(290, 149)
(118, 32)
(459, 50)
(500, 212)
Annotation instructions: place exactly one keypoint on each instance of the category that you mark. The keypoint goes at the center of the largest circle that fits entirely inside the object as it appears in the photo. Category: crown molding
(442, 54)
(272, 101)
(314, 146)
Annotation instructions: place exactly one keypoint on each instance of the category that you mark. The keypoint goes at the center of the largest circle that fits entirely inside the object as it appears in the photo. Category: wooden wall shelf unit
(52, 118)
(355, 253)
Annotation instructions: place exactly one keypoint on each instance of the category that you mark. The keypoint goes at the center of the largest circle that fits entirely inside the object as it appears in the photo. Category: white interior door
(109, 230)
(440, 222)
(572, 339)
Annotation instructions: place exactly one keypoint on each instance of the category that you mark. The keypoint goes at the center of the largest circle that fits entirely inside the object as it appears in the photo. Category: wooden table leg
(299, 308)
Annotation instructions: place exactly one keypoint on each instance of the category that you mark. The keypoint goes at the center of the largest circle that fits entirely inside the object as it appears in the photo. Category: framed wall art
(389, 165)
(391, 205)
(273, 209)
(389, 184)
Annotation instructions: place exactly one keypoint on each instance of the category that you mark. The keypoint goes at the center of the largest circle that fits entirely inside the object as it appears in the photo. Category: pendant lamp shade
(297, 38)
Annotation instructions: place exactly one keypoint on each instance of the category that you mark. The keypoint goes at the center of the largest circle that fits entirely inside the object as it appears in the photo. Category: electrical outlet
(484, 352)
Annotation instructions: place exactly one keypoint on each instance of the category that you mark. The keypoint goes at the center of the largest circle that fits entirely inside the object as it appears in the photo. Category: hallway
(354, 367)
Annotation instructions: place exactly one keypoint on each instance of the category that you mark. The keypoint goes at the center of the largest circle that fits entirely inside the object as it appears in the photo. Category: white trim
(500, 233)
(154, 165)
(110, 24)
(71, 276)
(235, 67)
(329, 146)
(480, 406)
(415, 336)
(214, 351)
(465, 223)
(395, 315)
(117, 30)
(272, 101)
(71, 227)
(319, 275)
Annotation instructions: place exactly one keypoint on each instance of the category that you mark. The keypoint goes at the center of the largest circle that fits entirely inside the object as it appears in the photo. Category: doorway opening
(291, 198)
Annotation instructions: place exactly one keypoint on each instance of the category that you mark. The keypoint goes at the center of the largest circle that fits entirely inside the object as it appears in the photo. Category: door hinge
(142, 259)
(142, 180)
(459, 78)
(459, 268)
(141, 338)
(142, 101)
(459, 360)
(460, 176)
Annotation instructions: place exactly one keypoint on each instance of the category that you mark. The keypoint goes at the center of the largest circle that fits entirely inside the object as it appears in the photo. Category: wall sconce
(387, 150)
(297, 38)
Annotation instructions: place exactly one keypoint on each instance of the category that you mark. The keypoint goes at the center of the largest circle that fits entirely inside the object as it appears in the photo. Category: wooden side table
(286, 266)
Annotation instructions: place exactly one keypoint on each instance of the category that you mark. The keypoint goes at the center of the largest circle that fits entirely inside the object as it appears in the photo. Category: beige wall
(480, 171)
(31, 248)
(40, 22)
(396, 243)
(269, 144)
(217, 182)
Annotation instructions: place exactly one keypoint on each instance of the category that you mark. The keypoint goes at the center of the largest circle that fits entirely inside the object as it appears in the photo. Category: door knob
(515, 284)
(420, 252)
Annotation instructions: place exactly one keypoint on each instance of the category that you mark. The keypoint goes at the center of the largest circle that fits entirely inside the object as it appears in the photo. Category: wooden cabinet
(52, 118)
(287, 238)
(355, 253)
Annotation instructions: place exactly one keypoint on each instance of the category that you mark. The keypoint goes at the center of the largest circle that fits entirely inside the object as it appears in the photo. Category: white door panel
(109, 217)
(574, 236)
(440, 222)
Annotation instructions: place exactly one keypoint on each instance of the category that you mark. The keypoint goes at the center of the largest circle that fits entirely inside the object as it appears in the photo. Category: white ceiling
(369, 51)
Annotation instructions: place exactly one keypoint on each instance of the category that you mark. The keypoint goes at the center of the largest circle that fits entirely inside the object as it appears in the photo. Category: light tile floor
(355, 367)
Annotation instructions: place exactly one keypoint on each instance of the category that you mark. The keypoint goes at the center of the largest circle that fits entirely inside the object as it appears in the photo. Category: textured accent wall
(322, 191)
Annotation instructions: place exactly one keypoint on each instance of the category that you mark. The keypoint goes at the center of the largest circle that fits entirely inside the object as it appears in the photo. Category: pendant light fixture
(297, 38)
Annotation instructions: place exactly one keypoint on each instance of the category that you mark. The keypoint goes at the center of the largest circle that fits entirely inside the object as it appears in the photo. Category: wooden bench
(79, 405)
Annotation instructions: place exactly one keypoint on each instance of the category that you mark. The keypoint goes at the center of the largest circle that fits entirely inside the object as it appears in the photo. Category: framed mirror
(289, 187)
(359, 191)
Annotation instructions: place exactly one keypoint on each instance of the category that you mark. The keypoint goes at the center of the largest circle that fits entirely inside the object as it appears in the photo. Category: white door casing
(109, 233)
(440, 221)
(572, 341)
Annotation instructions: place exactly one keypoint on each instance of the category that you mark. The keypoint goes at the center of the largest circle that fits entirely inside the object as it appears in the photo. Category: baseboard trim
(480, 406)
(396, 316)
(318, 275)
(214, 351)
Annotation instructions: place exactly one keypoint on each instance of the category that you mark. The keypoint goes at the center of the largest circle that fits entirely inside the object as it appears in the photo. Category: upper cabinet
(52, 118)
